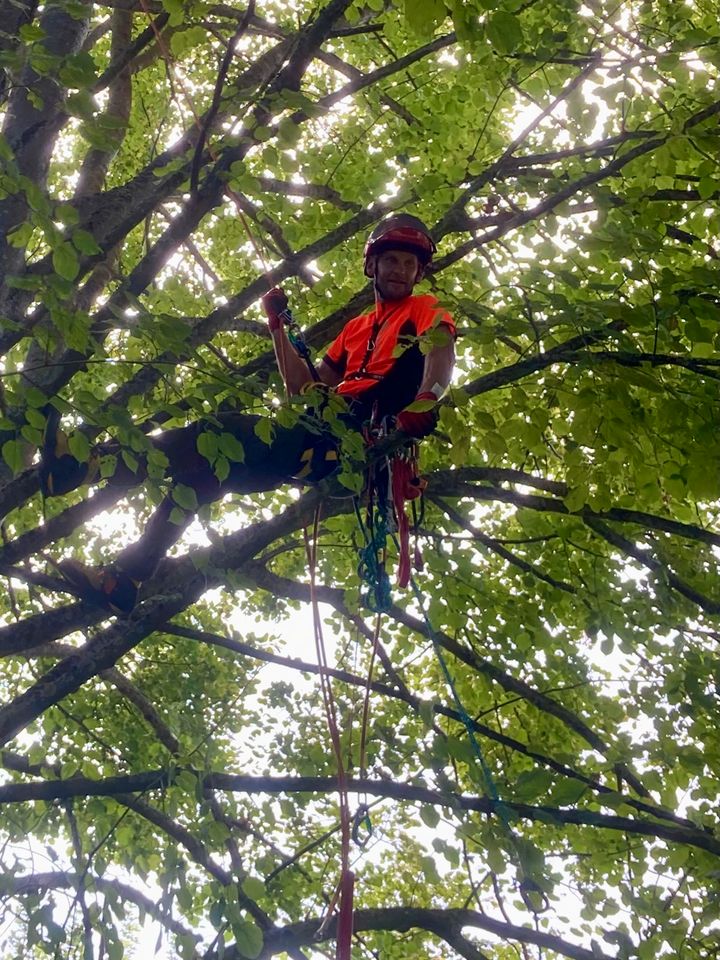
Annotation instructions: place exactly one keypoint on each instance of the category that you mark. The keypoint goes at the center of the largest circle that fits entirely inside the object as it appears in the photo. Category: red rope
(406, 485)
(345, 917)
(366, 701)
(347, 878)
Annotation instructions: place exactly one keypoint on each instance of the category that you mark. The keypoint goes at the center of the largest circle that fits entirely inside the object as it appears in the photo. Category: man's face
(396, 272)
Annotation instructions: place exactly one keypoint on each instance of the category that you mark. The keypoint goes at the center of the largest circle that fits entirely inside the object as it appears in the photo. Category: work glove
(419, 423)
(275, 302)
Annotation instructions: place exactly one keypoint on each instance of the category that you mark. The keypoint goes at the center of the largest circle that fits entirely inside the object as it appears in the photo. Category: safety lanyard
(362, 373)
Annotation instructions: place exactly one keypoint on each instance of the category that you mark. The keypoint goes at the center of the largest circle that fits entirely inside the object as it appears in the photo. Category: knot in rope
(375, 592)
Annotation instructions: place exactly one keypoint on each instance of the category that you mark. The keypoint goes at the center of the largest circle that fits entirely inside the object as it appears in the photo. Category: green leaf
(185, 497)
(422, 16)
(79, 446)
(12, 454)
(65, 261)
(707, 187)
(429, 869)
(254, 888)
(176, 9)
(532, 784)
(20, 237)
(429, 816)
(504, 32)
(67, 214)
(427, 713)
(248, 939)
(29, 32)
(231, 447)
(130, 461)
(35, 397)
(185, 40)
(85, 242)
(115, 950)
(264, 430)
(420, 406)
(177, 516)
(78, 70)
(33, 436)
(567, 792)
(80, 104)
(351, 479)
(35, 418)
(207, 445)
(222, 468)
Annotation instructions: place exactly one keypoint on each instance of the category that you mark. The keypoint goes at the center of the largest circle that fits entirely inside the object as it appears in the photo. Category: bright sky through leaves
(565, 157)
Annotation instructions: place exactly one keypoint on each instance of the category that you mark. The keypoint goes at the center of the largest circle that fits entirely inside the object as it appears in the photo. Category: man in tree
(375, 365)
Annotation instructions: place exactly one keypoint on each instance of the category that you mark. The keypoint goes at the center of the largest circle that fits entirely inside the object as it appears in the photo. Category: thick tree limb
(121, 786)
(444, 924)
(104, 650)
(451, 481)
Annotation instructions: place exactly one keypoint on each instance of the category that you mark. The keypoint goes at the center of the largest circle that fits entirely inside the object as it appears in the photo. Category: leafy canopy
(162, 166)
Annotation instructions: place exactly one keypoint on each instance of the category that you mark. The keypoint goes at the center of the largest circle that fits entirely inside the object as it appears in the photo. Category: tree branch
(123, 785)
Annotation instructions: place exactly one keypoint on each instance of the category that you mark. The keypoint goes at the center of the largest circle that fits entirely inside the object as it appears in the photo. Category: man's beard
(393, 291)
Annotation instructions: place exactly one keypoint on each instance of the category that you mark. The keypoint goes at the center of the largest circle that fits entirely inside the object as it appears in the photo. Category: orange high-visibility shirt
(365, 351)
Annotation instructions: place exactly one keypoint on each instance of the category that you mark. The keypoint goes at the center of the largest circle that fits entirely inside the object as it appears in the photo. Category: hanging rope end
(345, 917)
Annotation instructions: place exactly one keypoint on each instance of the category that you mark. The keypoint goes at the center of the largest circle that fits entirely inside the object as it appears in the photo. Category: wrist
(436, 388)
(428, 395)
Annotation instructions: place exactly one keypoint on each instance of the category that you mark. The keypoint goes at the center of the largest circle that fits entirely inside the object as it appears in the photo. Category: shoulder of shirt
(360, 318)
(428, 301)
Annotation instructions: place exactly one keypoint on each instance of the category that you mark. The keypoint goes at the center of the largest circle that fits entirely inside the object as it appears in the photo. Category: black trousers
(305, 452)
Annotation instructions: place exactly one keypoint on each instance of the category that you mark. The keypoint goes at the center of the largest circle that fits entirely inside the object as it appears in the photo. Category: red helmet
(401, 231)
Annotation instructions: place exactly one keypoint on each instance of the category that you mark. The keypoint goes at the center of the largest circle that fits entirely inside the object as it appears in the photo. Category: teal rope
(490, 785)
(528, 886)
(375, 595)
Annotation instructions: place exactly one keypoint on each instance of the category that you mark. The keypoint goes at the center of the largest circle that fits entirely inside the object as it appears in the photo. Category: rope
(362, 814)
(490, 787)
(528, 887)
(400, 486)
(344, 892)
(375, 595)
